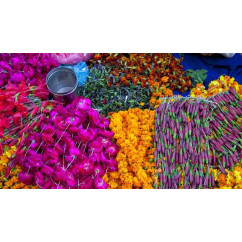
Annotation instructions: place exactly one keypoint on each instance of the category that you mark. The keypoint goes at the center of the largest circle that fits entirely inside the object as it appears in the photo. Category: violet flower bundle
(72, 149)
(30, 68)
(225, 130)
(182, 153)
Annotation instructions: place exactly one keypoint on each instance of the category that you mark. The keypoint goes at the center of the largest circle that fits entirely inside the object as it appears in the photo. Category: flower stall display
(114, 98)
(133, 131)
(72, 148)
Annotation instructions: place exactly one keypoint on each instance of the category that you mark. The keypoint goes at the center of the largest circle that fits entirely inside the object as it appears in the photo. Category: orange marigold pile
(134, 132)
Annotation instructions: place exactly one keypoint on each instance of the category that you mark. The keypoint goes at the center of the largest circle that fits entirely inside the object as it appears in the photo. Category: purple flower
(83, 103)
(100, 183)
(50, 156)
(87, 135)
(47, 170)
(73, 121)
(104, 141)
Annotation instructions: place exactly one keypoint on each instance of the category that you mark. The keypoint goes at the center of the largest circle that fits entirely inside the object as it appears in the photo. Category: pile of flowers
(30, 68)
(72, 148)
(222, 84)
(133, 131)
(162, 73)
(114, 98)
(231, 180)
(21, 110)
(9, 177)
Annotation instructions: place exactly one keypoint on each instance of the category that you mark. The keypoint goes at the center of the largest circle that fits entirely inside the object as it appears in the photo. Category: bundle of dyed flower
(30, 68)
(225, 130)
(114, 98)
(182, 153)
(72, 149)
(20, 111)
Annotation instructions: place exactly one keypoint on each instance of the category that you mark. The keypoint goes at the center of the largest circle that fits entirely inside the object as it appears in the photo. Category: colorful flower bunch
(182, 153)
(9, 177)
(72, 148)
(133, 131)
(114, 98)
(30, 68)
(163, 73)
(225, 129)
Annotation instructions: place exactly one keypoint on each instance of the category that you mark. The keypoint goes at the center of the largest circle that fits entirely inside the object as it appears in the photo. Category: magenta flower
(104, 141)
(95, 146)
(100, 183)
(99, 171)
(86, 184)
(106, 133)
(26, 178)
(50, 156)
(73, 121)
(86, 167)
(47, 170)
(94, 117)
(15, 62)
(83, 103)
(17, 77)
(48, 138)
(111, 151)
(87, 135)
(28, 71)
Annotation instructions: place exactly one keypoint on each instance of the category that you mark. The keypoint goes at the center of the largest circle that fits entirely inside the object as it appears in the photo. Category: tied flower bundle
(114, 98)
(181, 139)
(72, 149)
(30, 68)
(21, 111)
(225, 130)
(134, 132)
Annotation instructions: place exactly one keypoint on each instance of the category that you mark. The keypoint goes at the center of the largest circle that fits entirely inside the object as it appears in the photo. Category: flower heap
(9, 177)
(20, 111)
(134, 132)
(113, 99)
(30, 68)
(231, 180)
(220, 85)
(163, 73)
(182, 153)
(72, 149)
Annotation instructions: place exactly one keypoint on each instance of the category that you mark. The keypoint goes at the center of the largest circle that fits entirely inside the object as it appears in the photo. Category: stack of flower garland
(134, 133)
(182, 153)
(114, 98)
(161, 72)
(225, 129)
(71, 149)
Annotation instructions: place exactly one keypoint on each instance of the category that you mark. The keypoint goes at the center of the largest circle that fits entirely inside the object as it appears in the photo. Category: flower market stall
(136, 121)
